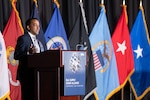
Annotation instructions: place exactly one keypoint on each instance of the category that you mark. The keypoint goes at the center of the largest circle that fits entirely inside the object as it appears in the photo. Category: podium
(48, 71)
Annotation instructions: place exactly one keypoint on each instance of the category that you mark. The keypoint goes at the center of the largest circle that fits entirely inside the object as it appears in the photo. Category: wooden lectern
(48, 75)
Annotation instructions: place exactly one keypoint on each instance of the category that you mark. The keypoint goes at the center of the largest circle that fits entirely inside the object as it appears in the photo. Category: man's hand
(32, 49)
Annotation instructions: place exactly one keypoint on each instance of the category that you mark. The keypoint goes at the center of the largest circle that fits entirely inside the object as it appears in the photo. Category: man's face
(34, 27)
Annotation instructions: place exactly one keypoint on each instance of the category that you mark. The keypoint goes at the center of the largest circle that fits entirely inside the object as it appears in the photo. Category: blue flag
(140, 81)
(55, 34)
(107, 74)
(40, 36)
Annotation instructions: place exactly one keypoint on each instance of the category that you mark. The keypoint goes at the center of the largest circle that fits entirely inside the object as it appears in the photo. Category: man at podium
(27, 44)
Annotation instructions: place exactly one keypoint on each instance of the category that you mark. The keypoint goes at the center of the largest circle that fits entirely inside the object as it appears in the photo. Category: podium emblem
(75, 63)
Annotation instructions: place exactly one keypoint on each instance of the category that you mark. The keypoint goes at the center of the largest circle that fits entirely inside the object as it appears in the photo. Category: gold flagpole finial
(81, 1)
(57, 3)
(35, 3)
(12, 1)
(124, 2)
(102, 2)
(140, 3)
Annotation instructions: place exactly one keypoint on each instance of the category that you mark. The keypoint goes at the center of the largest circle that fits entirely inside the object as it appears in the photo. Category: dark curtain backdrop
(68, 12)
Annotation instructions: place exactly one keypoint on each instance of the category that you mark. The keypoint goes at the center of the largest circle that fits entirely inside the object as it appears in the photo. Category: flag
(4, 80)
(40, 36)
(55, 34)
(12, 31)
(140, 82)
(122, 48)
(107, 74)
(79, 40)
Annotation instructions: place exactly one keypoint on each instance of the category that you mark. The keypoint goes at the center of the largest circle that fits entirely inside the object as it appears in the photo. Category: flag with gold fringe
(140, 81)
(12, 31)
(4, 80)
(55, 34)
(106, 72)
(122, 48)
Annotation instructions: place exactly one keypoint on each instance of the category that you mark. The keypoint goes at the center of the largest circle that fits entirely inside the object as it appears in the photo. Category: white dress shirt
(35, 42)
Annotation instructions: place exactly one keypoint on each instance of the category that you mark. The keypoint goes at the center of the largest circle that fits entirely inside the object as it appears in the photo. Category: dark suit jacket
(22, 48)
(23, 45)
(24, 73)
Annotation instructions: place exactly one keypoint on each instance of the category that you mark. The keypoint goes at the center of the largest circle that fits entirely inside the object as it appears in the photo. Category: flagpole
(83, 16)
(122, 90)
(81, 1)
(122, 93)
(123, 2)
(102, 2)
(140, 3)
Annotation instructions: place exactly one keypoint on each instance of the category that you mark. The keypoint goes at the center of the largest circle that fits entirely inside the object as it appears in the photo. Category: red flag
(123, 50)
(11, 32)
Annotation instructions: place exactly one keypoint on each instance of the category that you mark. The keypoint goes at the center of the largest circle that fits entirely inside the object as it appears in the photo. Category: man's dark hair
(29, 21)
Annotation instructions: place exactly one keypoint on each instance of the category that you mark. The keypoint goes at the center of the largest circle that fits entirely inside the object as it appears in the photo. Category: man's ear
(28, 28)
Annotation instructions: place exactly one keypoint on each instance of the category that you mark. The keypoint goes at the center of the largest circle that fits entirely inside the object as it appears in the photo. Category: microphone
(81, 46)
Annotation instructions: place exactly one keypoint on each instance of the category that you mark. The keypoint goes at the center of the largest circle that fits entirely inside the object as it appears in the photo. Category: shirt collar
(31, 35)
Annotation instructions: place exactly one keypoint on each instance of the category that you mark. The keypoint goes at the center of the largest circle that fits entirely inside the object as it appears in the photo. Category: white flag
(4, 81)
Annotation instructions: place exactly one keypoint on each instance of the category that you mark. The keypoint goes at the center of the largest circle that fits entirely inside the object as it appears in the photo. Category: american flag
(98, 59)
